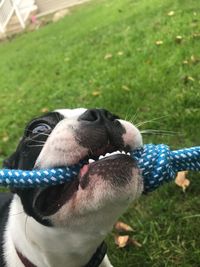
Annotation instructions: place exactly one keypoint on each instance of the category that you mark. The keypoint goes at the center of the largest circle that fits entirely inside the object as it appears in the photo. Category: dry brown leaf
(194, 59)
(182, 181)
(120, 53)
(187, 79)
(96, 93)
(171, 13)
(190, 78)
(159, 42)
(108, 56)
(179, 39)
(123, 227)
(185, 62)
(44, 110)
(125, 88)
(196, 35)
(121, 240)
(5, 139)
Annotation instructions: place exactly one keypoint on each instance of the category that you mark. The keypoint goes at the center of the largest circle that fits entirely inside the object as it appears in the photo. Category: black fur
(26, 154)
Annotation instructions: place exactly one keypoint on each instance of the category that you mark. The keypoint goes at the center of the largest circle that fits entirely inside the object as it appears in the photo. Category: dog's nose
(98, 116)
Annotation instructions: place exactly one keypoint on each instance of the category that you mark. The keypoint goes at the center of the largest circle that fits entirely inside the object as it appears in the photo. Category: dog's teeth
(128, 153)
(91, 160)
(116, 152)
(113, 153)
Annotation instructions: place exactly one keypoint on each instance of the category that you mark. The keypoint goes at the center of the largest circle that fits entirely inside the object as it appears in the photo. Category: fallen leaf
(108, 56)
(159, 42)
(96, 93)
(194, 59)
(123, 227)
(182, 181)
(171, 13)
(187, 79)
(121, 241)
(179, 39)
(196, 35)
(120, 53)
(190, 78)
(185, 62)
(5, 138)
(44, 110)
(125, 88)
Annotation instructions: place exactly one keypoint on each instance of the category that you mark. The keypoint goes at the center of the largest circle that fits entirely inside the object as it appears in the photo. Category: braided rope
(157, 163)
(38, 178)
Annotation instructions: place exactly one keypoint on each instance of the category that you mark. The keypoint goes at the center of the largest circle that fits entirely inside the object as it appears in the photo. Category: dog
(65, 225)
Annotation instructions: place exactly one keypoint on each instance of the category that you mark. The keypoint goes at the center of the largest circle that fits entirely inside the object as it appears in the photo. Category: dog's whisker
(149, 121)
(45, 134)
(34, 145)
(159, 132)
(128, 114)
(37, 141)
(38, 134)
(134, 116)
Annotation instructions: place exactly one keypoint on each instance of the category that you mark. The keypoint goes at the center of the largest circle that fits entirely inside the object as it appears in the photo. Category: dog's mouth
(104, 161)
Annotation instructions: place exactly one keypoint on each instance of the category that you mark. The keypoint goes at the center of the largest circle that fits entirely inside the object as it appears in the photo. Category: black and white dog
(65, 225)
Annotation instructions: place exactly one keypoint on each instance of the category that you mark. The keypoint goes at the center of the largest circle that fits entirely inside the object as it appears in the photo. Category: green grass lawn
(104, 54)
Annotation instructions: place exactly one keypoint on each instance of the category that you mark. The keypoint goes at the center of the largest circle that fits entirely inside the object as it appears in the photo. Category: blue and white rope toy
(158, 164)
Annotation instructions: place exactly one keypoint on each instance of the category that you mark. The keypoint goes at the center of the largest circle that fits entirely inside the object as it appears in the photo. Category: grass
(64, 65)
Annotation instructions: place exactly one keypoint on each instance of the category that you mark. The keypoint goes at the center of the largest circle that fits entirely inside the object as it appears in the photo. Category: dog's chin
(113, 178)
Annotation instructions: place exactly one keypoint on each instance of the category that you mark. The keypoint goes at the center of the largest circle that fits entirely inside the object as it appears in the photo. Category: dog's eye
(41, 128)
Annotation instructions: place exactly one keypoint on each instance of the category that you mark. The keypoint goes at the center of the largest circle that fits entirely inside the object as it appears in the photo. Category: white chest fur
(46, 246)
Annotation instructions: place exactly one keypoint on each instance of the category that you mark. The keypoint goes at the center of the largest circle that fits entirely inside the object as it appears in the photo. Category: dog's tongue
(84, 170)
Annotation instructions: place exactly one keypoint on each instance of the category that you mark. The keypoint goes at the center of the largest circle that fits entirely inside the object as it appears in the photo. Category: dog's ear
(11, 162)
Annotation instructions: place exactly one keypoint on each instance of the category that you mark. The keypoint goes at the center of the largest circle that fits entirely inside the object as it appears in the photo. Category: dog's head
(104, 186)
